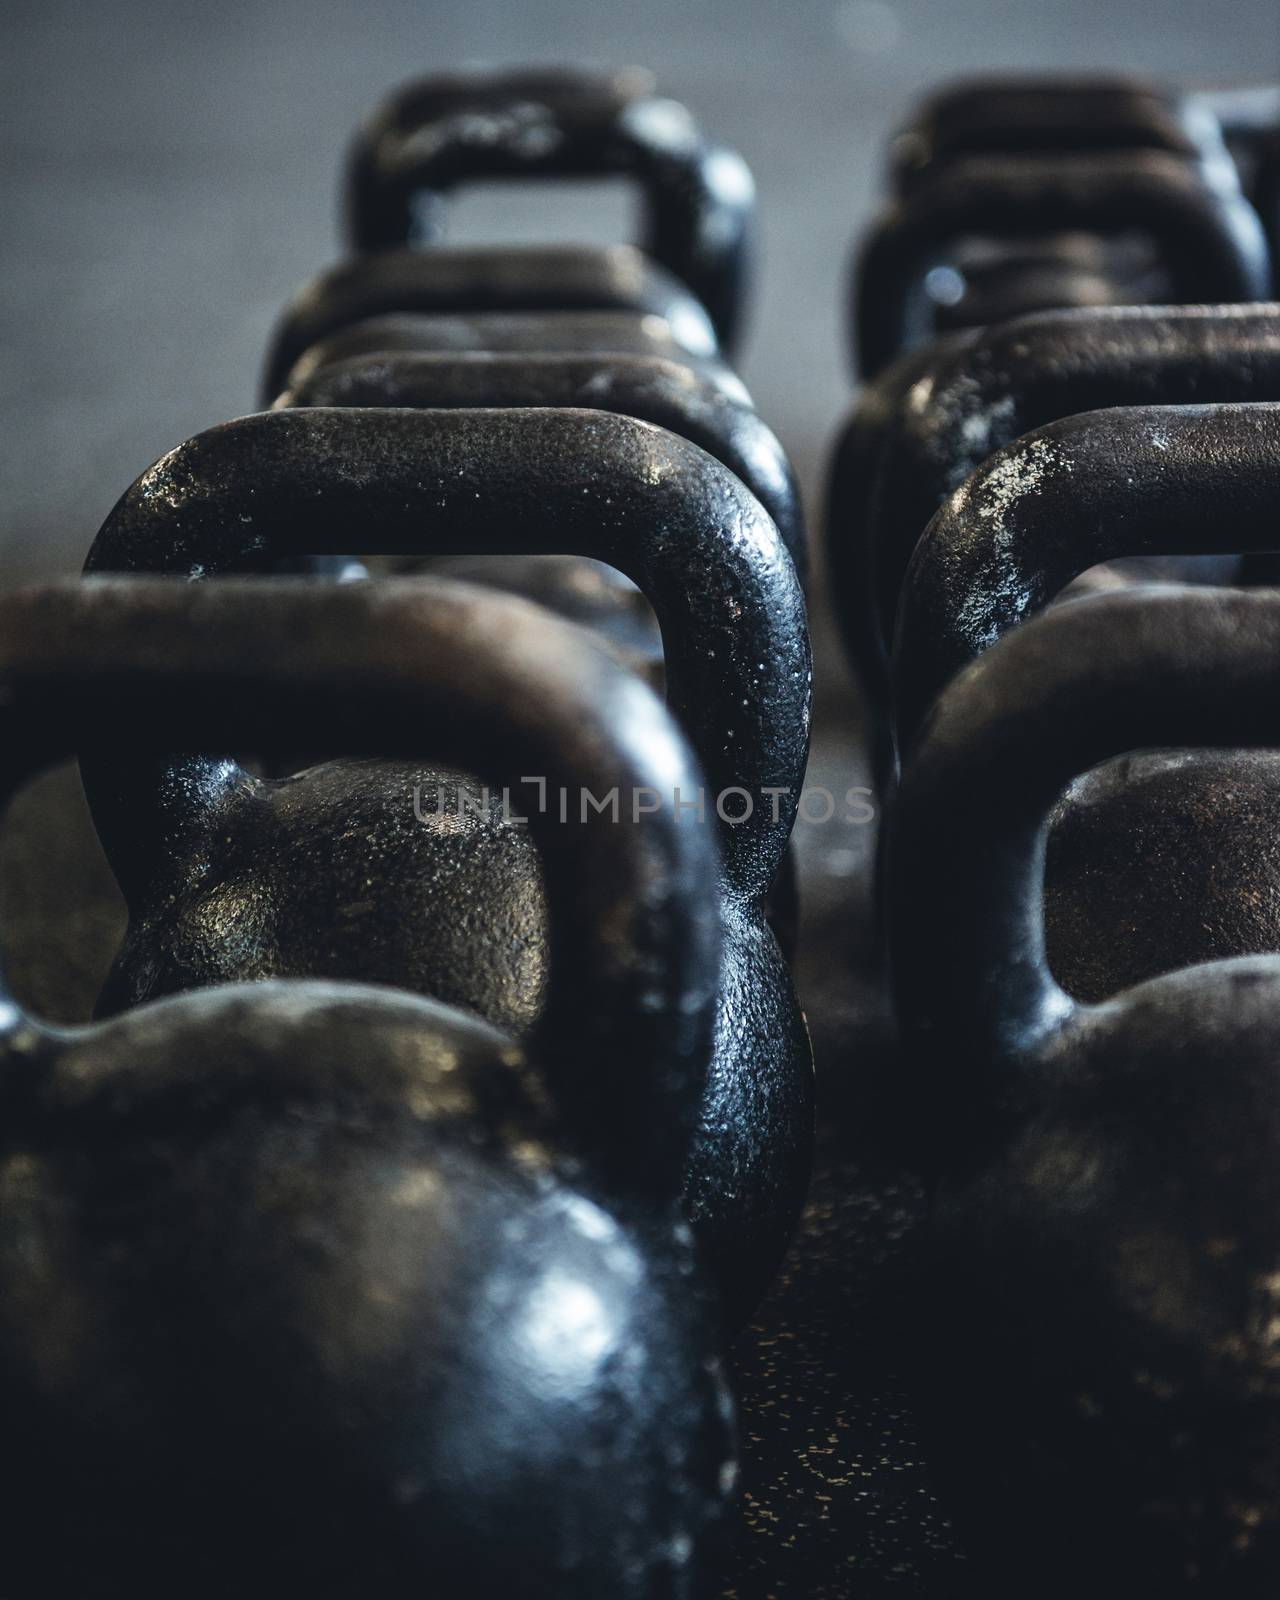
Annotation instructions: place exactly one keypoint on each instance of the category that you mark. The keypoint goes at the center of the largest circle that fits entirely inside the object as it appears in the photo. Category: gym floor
(170, 177)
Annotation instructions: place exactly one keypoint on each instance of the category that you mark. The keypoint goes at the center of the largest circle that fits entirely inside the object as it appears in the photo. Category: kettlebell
(1163, 861)
(433, 136)
(566, 332)
(1050, 114)
(1101, 1325)
(934, 416)
(1208, 242)
(192, 834)
(431, 284)
(325, 1289)
(650, 388)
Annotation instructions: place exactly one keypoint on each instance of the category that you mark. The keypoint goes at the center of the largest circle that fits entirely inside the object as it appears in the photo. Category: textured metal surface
(936, 414)
(975, 398)
(1162, 860)
(711, 409)
(1127, 481)
(652, 389)
(1107, 1212)
(362, 1217)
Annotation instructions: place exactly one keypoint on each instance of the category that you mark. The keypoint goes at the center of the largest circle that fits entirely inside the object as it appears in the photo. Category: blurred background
(170, 177)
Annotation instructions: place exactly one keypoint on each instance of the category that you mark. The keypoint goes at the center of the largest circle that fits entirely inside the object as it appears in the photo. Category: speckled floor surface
(168, 179)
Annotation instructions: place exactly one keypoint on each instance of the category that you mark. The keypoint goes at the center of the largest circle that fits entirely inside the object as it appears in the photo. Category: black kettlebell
(316, 481)
(435, 135)
(648, 388)
(1100, 1313)
(1208, 243)
(324, 1289)
(651, 388)
(936, 414)
(565, 332)
(583, 591)
(1163, 861)
(1050, 114)
(344, 311)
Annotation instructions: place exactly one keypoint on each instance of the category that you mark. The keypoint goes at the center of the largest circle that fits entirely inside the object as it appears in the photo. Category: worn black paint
(1127, 481)
(1153, 866)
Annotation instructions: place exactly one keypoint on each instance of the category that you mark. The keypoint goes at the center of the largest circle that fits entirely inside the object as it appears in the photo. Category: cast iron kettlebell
(936, 414)
(650, 388)
(1050, 114)
(1102, 1309)
(315, 1288)
(345, 310)
(1163, 861)
(1207, 237)
(704, 552)
(584, 591)
(437, 134)
(514, 332)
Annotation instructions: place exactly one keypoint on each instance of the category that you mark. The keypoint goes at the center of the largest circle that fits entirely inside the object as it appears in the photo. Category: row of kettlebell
(1099, 1114)
(989, 469)
(363, 1290)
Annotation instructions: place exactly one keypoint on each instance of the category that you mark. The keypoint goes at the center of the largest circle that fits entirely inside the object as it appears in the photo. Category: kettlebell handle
(647, 388)
(1133, 481)
(1207, 232)
(430, 137)
(404, 669)
(1159, 668)
(533, 281)
(284, 484)
(1034, 370)
(1047, 114)
(653, 389)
